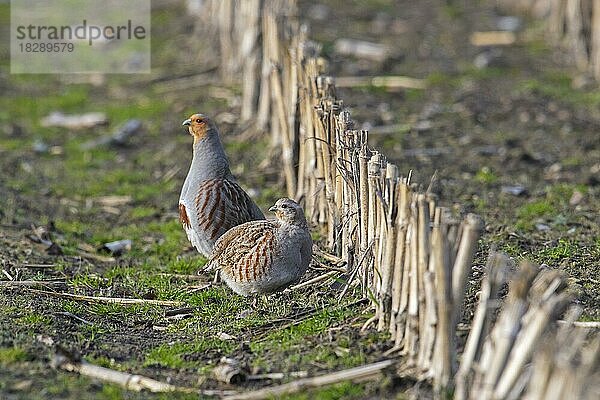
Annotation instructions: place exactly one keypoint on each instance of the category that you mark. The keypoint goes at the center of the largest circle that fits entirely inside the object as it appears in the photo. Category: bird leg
(255, 298)
(254, 304)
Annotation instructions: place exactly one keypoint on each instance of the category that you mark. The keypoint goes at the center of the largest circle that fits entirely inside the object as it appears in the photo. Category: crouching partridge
(211, 201)
(262, 257)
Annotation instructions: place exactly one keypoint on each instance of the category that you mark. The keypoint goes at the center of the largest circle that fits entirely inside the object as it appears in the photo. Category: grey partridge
(261, 257)
(211, 201)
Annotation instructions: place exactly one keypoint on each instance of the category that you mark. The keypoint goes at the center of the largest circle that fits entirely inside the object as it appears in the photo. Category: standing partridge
(261, 257)
(211, 201)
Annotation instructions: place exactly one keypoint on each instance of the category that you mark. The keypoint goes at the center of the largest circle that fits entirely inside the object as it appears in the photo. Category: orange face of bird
(198, 126)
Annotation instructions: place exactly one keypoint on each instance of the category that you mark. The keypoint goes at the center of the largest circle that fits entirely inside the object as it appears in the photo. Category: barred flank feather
(245, 253)
(265, 256)
(220, 205)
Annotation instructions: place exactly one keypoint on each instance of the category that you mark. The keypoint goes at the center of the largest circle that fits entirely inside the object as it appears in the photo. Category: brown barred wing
(246, 252)
(222, 204)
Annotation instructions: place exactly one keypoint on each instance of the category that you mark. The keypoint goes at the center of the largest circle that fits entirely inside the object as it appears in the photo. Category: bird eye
(198, 120)
(285, 206)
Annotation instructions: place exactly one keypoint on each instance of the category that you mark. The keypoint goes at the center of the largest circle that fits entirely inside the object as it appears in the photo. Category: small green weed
(11, 355)
(32, 319)
(486, 176)
(344, 390)
(557, 85)
(186, 355)
(292, 335)
(564, 248)
(528, 213)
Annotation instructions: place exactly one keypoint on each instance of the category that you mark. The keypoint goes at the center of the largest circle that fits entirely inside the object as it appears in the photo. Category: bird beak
(187, 122)
(273, 208)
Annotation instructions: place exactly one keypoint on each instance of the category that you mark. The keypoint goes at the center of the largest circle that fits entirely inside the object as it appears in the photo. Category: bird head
(199, 125)
(287, 210)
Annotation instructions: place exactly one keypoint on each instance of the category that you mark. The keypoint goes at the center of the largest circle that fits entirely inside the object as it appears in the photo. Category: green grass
(557, 85)
(181, 355)
(33, 319)
(586, 318)
(561, 193)
(114, 392)
(107, 363)
(29, 109)
(513, 249)
(440, 79)
(573, 161)
(11, 355)
(289, 341)
(563, 248)
(158, 243)
(289, 337)
(143, 212)
(528, 213)
(185, 266)
(117, 311)
(142, 282)
(469, 72)
(344, 390)
(486, 176)
(89, 281)
(73, 386)
(453, 11)
(553, 208)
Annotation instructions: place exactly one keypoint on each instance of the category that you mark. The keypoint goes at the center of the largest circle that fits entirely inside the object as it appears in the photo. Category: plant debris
(118, 247)
(78, 121)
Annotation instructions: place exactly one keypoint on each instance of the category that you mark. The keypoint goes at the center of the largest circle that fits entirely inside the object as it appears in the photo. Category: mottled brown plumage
(211, 201)
(265, 256)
